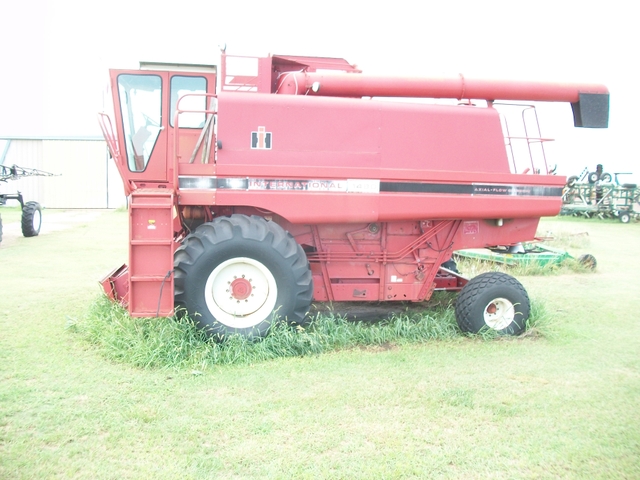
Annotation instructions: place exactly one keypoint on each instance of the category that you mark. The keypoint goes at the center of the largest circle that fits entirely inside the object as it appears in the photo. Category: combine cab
(294, 184)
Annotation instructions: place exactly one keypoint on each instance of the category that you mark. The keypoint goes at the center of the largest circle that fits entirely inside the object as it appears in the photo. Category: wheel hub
(241, 292)
(240, 288)
(499, 314)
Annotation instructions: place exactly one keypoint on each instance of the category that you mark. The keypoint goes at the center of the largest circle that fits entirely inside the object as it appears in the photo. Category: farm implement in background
(31, 211)
(525, 254)
(599, 194)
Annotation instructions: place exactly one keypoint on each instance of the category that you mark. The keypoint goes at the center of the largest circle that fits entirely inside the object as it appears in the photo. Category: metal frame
(601, 200)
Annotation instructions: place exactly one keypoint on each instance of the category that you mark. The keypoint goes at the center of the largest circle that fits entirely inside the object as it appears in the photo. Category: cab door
(141, 114)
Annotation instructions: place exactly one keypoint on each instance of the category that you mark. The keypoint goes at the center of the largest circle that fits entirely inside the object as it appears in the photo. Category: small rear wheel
(31, 219)
(493, 300)
(624, 216)
(606, 177)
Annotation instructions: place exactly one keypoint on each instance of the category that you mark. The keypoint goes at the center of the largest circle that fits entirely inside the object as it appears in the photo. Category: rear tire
(31, 219)
(493, 300)
(624, 217)
(236, 274)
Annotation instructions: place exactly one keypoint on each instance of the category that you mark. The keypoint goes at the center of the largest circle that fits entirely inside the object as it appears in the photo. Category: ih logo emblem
(261, 140)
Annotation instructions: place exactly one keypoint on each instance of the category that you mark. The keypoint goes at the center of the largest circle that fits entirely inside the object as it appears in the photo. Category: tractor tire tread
(477, 286)
(257, 229)
(28, 216)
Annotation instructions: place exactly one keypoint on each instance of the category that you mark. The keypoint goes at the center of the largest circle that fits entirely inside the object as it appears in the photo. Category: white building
(84, 174)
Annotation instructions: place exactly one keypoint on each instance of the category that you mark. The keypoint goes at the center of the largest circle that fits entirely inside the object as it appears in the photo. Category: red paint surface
(293, 156)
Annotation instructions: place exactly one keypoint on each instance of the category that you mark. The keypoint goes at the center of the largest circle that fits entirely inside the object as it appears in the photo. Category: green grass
(561, 404)
(10, 214)
(177, 344)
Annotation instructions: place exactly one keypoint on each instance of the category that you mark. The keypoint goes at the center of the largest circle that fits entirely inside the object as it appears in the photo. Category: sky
(56, 53)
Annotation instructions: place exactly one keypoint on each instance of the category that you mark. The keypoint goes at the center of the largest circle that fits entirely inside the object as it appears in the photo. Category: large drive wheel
(31, 219)
(495, 300)
(234, 275)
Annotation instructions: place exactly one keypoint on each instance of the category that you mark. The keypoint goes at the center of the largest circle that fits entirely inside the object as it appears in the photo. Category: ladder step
(167, 241)
(149, 278)
(167, 206)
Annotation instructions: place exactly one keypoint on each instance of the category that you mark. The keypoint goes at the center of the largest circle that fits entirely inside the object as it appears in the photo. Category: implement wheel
(236, 274)
(31, 219)
(588, 261)
(624, 216)
(494, 300)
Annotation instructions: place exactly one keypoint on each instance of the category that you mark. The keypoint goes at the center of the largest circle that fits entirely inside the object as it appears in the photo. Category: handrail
(107, 131)
(509, 145)
(114, 148)
(531, 140)
(238, 83)
(206, 129)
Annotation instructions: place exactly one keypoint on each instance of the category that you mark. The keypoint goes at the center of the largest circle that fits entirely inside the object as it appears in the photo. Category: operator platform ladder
(151, 252)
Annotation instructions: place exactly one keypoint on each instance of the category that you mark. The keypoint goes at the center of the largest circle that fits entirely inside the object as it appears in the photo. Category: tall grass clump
(177, 344)
(143, 342)
(567, 240)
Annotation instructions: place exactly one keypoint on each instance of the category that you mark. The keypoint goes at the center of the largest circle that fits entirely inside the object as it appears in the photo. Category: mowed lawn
(562, 405)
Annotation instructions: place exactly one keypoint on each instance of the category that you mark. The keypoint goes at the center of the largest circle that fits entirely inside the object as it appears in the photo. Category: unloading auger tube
(590, 102)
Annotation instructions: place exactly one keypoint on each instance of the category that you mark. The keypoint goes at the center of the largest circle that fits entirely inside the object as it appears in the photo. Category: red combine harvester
(293, 184)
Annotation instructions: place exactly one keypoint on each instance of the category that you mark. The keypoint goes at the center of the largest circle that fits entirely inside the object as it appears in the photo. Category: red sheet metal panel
(332, 133)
